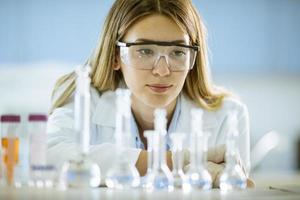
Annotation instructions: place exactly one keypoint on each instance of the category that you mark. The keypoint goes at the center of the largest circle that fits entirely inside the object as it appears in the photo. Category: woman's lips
(159, 88)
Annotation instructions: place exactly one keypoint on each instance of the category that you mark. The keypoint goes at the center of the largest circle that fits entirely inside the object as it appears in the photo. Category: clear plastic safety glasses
(146, 55)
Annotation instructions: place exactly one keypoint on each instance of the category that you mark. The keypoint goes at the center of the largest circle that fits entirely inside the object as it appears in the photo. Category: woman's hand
(215, 171)
(215, 154)
(250, 183)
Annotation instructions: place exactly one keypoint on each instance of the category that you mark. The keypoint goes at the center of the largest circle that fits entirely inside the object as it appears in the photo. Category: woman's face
(157, 87)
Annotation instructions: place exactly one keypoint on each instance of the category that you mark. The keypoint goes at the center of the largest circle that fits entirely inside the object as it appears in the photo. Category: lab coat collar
(105, 112)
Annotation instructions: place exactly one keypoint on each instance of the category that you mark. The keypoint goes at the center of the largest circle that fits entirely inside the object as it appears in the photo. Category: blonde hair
(198, 86)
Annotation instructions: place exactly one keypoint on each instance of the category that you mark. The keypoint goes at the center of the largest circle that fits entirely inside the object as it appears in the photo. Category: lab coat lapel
(105, 113)
(105, 110)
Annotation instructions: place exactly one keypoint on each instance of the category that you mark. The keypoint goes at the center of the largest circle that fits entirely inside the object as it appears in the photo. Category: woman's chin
(159, 102)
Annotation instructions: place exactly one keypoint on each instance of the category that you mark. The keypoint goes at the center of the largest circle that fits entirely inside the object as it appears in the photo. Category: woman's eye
(179, 53)
(145, 51)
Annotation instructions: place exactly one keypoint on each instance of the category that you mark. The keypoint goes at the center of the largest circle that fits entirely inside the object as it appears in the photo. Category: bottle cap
(37, 117)
(10, 118)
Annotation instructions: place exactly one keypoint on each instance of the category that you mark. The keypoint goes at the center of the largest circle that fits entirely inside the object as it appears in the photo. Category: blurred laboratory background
(254, 52)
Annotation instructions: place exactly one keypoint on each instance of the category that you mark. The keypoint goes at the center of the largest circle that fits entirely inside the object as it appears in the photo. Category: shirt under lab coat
(61, 138)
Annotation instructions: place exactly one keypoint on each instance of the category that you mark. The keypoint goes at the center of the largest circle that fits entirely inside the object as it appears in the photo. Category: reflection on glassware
(123, 174)
(159, 176)
(233, 176)
(198, 175)
(81, 172)
(180, 180)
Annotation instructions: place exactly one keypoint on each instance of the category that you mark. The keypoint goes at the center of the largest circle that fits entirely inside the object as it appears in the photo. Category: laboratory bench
(132, 194)
(269, 186)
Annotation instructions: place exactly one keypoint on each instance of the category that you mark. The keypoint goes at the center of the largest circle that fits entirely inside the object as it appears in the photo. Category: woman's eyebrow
(147, 40)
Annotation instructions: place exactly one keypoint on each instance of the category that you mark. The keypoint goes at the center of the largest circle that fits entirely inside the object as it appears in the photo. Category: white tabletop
(132, 194)
(269, 186)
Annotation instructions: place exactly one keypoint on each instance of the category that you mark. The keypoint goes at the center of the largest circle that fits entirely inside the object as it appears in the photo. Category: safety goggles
(146, 55)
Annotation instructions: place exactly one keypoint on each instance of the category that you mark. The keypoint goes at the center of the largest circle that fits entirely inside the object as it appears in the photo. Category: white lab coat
(61, 138)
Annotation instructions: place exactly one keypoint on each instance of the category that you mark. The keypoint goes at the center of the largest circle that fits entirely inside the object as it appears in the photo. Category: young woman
(157, 49)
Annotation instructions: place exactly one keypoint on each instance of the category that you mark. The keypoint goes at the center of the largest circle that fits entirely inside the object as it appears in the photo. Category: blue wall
(257, 35)
(248, 36)
(37, 30)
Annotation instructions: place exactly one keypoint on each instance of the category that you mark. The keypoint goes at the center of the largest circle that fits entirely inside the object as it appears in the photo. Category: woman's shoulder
(95, 96)
(228, 103)
(231, 102)
(211, 119)
(106, 97)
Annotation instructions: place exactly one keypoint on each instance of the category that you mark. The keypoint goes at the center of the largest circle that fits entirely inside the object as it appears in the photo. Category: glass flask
(180, 180)
(81, 172)
(123, 174)
(159, 176)
(198, 175)
(233, 176)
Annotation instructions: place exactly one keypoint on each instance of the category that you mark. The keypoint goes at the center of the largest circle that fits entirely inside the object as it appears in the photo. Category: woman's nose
(161, 67)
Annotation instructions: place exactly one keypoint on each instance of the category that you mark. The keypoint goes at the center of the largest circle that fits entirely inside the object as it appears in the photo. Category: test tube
(233, 176)
(123, 174)
(198, 176)
(10, 146)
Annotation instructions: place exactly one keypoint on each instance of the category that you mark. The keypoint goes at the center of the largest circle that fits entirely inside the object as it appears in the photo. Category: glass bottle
(10, 143)
(123, 174)
(233, 176)
(41, 174)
